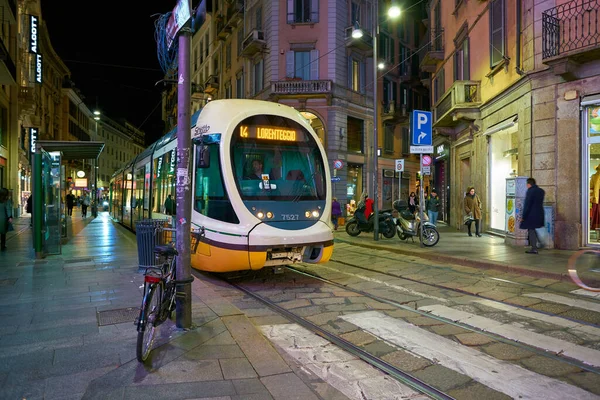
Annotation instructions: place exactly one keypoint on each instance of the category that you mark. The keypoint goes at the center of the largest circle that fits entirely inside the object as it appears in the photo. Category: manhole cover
(7, 282)
(77, 260)
(119, 316)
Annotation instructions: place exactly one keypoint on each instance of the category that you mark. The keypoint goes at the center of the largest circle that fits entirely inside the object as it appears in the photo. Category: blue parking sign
(421, 128)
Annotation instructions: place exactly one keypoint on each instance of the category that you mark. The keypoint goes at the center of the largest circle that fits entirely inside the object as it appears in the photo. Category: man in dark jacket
(533, 213)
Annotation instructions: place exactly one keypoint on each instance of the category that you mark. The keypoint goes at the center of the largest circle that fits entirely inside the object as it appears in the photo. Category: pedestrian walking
(85, 203)
(533, 213)
(6, 217)
(29, 208)
(472, 205)
(412, 202)
(70, 199)
(336, 212)
(169, 206)
(432, 205)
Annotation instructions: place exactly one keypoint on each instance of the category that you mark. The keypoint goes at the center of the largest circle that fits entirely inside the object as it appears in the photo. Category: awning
(73, 150)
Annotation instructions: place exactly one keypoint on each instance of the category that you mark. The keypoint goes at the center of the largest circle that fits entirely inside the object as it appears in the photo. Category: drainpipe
(519, 17)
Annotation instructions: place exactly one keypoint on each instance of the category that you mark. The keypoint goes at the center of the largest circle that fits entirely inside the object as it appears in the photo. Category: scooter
(408, 225)
(358, 223)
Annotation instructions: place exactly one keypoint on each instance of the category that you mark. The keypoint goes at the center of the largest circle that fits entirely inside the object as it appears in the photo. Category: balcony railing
(569, 27)
(253, 43)
(463, 96)
(301, 87)
(434, 51)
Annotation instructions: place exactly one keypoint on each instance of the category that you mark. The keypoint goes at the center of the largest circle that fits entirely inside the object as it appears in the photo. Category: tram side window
(210, 197)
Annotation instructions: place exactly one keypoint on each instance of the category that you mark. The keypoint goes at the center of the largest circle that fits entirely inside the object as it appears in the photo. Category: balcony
(212, 84)
(364, 43)
(460, 103)
(27, 100)
(8, 70)
(434, 53)
(394, 112)
(571, 36)
(10, 10)
(223, 29)
(253, 43)
(300, 88)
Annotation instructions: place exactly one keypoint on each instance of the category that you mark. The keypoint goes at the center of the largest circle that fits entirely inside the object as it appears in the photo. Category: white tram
(260, 185)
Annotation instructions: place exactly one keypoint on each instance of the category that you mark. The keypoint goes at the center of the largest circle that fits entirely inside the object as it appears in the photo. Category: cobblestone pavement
(472, 333)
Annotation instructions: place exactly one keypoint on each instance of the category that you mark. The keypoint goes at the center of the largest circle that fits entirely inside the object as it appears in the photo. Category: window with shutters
(228, 90)
(386, 49)
(259, 18)
(438, 86)
(461, 61)
(240, 40)
(302, 11)
(303, 64)
(497, 34)
(388, 138)
(356, 74)
(257, 76)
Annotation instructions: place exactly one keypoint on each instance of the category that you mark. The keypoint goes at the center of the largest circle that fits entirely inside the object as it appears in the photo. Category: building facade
(301, 53)
(512, 108)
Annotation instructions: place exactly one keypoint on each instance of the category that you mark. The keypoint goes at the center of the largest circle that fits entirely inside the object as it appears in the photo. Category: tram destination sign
(274, 133)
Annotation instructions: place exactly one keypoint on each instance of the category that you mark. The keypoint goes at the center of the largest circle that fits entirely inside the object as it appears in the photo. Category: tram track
(477, 295)
(398, 374)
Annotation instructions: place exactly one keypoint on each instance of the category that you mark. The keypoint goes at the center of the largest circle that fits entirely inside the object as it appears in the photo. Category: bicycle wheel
(147, 324)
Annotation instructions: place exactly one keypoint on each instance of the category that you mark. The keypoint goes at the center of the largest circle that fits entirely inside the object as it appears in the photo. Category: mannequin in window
(595, 199)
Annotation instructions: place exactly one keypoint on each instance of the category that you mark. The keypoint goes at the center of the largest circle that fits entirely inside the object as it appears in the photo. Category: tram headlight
(315, 214)
(269, 214)
(260, 215)
(307, 214)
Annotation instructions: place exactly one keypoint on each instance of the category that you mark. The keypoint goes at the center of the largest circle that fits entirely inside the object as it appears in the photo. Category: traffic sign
(426, 161)
(421, 128)
(335, 179)
(338, 164)
(421, 149)
(400, 165)
(426, 170)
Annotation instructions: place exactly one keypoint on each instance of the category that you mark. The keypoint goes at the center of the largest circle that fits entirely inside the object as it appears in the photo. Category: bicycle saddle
(166, 250)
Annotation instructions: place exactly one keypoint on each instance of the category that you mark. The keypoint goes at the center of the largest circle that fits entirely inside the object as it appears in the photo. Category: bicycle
(159, 299)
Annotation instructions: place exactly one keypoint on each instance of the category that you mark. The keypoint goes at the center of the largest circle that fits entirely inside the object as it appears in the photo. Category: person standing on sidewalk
(412, 202)
(5, 217)
(533, 213)
(433, 206)
(70, 199)
(85, 202)
(29, 208)
(336, 212)
(473, 208)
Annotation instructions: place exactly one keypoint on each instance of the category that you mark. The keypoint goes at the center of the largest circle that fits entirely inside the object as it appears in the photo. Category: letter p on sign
(422, 120)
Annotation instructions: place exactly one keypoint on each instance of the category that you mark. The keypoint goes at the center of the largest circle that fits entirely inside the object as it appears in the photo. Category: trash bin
(149, 234)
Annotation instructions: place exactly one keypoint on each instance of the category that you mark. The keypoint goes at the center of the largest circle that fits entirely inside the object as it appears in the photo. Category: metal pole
(37, 202)
(421, 199)
(375, 122)
(183, 185)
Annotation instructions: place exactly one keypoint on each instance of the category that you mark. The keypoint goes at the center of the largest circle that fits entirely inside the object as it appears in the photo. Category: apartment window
(404, 61)
(461, 61)
(354, 12)
(240, 41)
(195, 59)
(389, 138)
(356, 75)
(228, 56)
(300, 11)
(497, 35)
(239, 85)
(405, 140)
(257, 75)
(386, 49)
(438, 86)
(356, 128)
(302, 64)
(228, 90)
(388, 91)
(258, 15)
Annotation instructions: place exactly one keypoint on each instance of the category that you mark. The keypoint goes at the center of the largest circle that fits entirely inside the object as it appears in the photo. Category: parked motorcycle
(358, 223)
(408, 224)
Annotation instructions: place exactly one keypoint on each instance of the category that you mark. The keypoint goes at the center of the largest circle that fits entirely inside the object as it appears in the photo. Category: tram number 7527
(290, 217)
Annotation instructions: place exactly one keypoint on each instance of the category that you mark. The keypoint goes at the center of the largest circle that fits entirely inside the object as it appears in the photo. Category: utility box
(516, 190)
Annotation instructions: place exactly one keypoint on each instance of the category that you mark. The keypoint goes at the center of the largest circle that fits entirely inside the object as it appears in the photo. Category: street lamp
(393, 12)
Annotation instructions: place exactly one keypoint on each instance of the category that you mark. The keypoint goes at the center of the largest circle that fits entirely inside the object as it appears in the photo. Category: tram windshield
(275, 158)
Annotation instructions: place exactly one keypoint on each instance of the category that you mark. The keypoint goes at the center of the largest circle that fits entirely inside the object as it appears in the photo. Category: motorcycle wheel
(430, 236)
(389, 230)
(401, 235)
(352, 229)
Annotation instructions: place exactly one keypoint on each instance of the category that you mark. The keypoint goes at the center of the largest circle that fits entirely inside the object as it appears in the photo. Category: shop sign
(33, 34)
(38, 68)
(81, 182)
(33, 135)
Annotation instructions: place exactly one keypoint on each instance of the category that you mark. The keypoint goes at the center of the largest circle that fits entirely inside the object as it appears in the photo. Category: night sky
(110, 49)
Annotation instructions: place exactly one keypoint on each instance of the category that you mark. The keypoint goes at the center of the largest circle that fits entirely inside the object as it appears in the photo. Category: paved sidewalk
(67, 330)
(488, 251)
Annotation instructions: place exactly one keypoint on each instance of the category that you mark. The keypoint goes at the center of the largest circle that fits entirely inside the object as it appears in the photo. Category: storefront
(441, 180)
(354, 187)
(503, 163)
(391, 185)
(591, 170)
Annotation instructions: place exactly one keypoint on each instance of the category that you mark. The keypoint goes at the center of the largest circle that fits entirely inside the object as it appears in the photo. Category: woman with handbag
(5, 217)
(472, 210)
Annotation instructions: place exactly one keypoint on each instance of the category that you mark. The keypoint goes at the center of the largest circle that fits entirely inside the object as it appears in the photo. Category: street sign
(421, 128)
(335, 179)
(426, 161)
(421, 149)
(426, 170)
(338, 164)
(400, 165)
